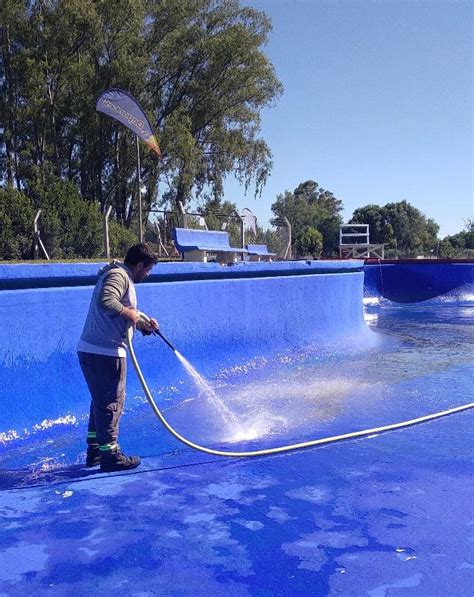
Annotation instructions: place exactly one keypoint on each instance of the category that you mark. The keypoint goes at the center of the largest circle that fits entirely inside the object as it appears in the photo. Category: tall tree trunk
(9, 132)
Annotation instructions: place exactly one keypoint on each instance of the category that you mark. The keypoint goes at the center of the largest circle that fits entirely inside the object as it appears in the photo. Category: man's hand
(150, 326)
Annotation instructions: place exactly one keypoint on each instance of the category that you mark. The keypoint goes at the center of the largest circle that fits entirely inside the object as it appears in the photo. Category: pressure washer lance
(158, 333)
(146, 319)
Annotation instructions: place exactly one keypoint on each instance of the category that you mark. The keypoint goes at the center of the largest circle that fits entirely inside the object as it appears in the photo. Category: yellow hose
(308, 444)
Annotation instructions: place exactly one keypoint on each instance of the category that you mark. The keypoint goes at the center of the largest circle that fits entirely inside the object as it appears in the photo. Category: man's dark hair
(140, 253)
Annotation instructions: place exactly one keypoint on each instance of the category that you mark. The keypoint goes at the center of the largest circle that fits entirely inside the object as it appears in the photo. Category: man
(102, 354)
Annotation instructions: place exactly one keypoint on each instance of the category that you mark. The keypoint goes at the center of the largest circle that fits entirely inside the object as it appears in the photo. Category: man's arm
(112, 292)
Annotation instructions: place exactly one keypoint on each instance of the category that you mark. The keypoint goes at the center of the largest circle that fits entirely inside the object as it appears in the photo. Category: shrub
(16, 225)
(310, 242)
(70, 226)
(120, 239)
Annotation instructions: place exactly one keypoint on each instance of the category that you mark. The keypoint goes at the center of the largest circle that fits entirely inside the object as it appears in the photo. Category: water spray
(226, 414)
(278, 449)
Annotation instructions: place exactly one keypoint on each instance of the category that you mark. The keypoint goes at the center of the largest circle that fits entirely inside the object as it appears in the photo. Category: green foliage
(310, 242)
(460, 244)
(120, 239)
(374, 216)
(275, 242)
(310, 206)
(210, 80)
(196, 67)
(70, 226)
(16, 225)
(400, 224)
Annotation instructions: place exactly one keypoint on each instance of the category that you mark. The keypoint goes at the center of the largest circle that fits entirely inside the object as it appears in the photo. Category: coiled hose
(278, 449)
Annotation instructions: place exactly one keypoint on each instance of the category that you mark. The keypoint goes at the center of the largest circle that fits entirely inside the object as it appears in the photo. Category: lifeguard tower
(354, 243)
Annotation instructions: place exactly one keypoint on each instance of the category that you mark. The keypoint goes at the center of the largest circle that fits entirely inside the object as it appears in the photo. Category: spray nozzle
(158, 333)
(146, 319)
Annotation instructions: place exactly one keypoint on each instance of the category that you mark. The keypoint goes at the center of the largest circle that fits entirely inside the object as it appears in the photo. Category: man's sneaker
(92, 456)
(117, 461)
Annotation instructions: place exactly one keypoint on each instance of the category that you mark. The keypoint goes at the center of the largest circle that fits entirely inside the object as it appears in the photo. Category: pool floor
(385, 515)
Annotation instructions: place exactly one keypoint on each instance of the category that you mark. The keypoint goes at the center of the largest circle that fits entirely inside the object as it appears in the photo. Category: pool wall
(216, 316)
(413, 281)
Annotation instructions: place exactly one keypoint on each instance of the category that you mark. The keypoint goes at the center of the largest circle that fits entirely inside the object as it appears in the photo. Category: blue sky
(377, 105)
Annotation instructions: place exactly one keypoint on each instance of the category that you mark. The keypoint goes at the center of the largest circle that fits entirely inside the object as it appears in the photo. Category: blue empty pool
(295, 354)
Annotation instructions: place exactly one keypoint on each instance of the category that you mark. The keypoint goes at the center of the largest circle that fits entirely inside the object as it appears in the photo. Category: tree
(274, 239)
(311, 241)
(373, 216)
(460, 244)
(16, 225)
(196, 67)
(70, 227)
(399, 223)
(310, 206)
(121, 239)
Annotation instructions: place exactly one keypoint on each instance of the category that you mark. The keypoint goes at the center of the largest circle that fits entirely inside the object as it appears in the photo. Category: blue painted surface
(260, 250)
(187, 239)
(17, 277)
(385, 515)
(412, 282)
(213, 321)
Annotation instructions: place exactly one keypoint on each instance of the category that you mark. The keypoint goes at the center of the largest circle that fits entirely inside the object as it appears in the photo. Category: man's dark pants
(105, 377)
